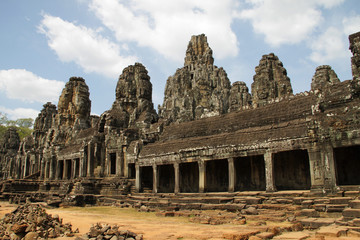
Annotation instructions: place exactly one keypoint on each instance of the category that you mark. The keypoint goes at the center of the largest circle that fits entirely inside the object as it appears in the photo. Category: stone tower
(355, 50)
(197, 90)
(74, 105)
(239, 96)
(133, 105)
(270, 81)
(323, 78)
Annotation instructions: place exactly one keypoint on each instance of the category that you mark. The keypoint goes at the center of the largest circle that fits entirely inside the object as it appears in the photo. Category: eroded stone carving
(197, 90)
(324, 78)
(133, 104)
(270, 81)
(239, 96)
(355, 50)
(74, 105)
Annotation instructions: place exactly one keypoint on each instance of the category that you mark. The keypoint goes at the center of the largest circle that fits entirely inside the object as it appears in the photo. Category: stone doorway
(347, 165)
(112, 163)
(292, 170)
(250, 173)
(68, 169)
(189, 177)
(131, 170)
(146, 174)
(166, 180)
(61, 169)
(217, 175)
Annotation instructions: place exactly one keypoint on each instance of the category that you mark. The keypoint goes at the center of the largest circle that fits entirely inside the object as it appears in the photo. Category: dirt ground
(146, 223)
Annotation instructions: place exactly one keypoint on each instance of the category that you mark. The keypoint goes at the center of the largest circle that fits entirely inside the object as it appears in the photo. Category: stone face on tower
(199, 89)
(239, 96)
(355, 50)
(74, 105)
(270, 81)
(133, 104)
(324, 78)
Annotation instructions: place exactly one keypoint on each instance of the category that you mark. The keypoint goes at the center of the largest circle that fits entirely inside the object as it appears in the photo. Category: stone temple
(208, 135)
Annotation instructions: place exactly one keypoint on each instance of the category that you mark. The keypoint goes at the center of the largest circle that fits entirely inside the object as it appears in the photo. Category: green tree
(23, 125)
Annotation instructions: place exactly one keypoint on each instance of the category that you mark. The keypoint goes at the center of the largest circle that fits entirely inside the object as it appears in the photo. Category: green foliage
(23, 125)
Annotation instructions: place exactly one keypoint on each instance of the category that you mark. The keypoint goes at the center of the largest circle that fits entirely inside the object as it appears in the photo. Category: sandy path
(148, 224)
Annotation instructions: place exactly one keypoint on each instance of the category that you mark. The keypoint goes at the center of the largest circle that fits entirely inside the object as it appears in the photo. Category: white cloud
(328, 46)
(167, 26)
(351, 24)
(286, 21)
(26, 86)
(84, 46)
(20, 112)
(333, 43)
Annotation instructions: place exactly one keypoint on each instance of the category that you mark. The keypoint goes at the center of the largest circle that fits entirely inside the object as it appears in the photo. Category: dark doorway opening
(217, 175)
(131, 170)
(189, 177)
(68, 169)
(250, 173)
(146, 176)
(166, 178)
(347, 165)
(61, 169)
(112, 163)
(292, 170)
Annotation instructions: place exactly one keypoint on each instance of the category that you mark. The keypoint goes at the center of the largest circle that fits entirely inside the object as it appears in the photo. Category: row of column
(83, 166)
(321, 163)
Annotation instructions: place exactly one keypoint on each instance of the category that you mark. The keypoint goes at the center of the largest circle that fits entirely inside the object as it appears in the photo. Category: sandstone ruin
(208, 135)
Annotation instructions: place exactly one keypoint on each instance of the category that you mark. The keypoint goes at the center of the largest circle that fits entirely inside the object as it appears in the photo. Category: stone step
(340, 200)
(335, 207)
(350, 213)
(355, 204)
(248, 200)
(309, 213)
(314, 223)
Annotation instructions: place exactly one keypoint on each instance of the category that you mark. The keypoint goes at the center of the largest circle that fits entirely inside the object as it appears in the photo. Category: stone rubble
(30, 221)
(107, 232)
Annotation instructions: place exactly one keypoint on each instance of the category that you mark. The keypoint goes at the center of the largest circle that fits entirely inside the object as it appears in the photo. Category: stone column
(155, 179)
(107, 163)
(137, 178)
(57, 175)
(73, 162)
(42, 169)
(316, 168)
(82, 170)
(119, 168)
(202, 176)
(232, 175)
(65, 168)
(329, 164)
(125, 164)
(269, 172)
(90, 160)
(52, 167)
(46, 173)
(177, 178)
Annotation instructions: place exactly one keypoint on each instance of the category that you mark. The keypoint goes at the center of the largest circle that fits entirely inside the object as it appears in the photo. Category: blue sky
(43, 43)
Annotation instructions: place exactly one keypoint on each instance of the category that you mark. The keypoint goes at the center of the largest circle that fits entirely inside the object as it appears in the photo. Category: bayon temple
(208, 135)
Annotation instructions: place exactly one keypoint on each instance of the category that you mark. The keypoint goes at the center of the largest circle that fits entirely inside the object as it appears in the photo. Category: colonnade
(312, 168)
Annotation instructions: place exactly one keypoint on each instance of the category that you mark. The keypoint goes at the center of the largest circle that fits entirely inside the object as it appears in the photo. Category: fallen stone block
(310, 213)
(292, 236)
(331, 231)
